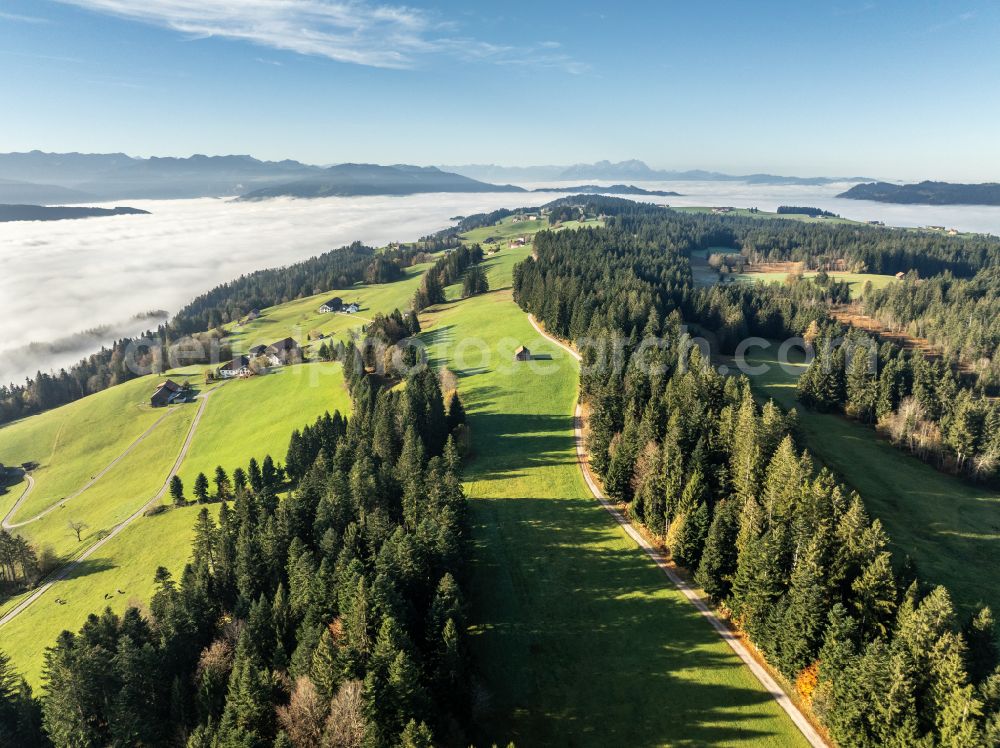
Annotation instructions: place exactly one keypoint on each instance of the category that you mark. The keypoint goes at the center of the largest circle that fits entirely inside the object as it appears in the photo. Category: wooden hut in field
(522, 354)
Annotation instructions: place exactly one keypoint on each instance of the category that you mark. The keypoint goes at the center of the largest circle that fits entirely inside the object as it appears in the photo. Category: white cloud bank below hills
(61, 279)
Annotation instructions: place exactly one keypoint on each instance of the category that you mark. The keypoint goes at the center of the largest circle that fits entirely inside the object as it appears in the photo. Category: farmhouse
(333, 305)
(522, 354)
(284, 351)
(257, 351)
(166, 392)
(238, 367)
(351, 308)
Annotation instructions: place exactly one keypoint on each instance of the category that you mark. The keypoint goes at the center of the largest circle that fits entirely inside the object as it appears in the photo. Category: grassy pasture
(72, 442)
(747, 213)
(577, 637)
(298, 318)
(126, 563)
(856, 281)
(950, 528)
(255, 417)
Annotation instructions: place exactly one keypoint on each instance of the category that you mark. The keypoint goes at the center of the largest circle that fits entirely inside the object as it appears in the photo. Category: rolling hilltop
(345, 180)
(44, 213)
(927, 193)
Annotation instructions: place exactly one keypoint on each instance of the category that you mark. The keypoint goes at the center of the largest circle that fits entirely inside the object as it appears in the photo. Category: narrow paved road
(770, 685)
(67, 569)
(8, 525)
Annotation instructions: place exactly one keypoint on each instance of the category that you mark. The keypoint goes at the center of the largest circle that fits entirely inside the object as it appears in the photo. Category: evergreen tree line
(332, 617)
(921, 404)
(185, 334)
(779, 545)
(394, 327)
(872, 249)
(120, 362)
(19, 567)
(959, 317)
(447, 270)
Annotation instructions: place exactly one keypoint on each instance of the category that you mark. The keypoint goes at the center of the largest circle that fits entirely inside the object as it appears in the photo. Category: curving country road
(8, 525)
(722, 629)
(67, 569)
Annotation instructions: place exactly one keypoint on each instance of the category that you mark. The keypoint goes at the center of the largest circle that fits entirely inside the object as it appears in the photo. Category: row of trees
(194, 334)
(959, 317)
(447, 270)
(921, 404)
(333, 617)
(779, 544)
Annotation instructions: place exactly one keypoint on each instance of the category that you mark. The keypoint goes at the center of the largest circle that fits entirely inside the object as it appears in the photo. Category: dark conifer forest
(332, 617)
(776, 542)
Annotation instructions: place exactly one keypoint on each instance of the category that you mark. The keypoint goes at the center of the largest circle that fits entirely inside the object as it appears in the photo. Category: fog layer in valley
(62, 278)
(68, 286)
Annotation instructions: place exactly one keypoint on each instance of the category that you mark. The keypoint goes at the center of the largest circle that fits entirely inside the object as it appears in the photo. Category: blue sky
(890, 89)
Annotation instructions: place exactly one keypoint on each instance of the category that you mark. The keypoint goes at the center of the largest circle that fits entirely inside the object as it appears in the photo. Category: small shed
(900, 275)
(522, 354)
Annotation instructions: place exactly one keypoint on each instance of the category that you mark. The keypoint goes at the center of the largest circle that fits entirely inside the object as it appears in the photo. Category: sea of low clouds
(66, 287)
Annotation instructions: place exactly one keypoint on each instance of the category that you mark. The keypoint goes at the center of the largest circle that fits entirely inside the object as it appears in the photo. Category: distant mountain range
(346, 180)
(614, 189)
(927, 193)
(628, 170)
(43, 213)
(67, 178)
(50, 178)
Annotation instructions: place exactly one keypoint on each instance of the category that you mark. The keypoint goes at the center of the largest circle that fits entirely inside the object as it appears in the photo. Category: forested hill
(791, 554)
(59, 213)
(927, 193)
(346, 180)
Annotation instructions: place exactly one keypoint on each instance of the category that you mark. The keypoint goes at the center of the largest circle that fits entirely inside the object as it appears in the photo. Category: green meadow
(73, 442)
(950, 528)
(126, 563)
(856, 281)
(296, 319)
(255, 417)
(578, 638)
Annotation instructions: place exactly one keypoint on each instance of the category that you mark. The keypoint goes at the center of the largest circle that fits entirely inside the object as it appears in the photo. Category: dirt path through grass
(67, 569)
(8, 525)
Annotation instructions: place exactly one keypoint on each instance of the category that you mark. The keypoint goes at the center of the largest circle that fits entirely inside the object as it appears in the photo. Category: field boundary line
(722, 629)
(8, 525)
(67, 569)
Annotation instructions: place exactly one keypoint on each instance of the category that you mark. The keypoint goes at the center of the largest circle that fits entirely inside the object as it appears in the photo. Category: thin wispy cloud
(5, 16)
(360, 33)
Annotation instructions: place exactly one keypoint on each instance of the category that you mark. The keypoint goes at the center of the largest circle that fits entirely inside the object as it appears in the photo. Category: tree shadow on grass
(577, 643)
(516, 441)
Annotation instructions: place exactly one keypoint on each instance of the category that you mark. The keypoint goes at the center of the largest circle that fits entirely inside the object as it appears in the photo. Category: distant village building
(333, 305)
(724, 209)
(238, 367)
(166, 392)
(522, 354)
(876, 223)
(518, 242)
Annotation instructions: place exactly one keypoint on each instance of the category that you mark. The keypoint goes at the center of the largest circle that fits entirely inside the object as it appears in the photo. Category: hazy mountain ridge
(345, 180)
(927, 193)
(116, 176)
(613, 189)
(632, 169)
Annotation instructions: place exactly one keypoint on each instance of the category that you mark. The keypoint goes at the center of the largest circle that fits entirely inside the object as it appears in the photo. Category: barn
(522, 354)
